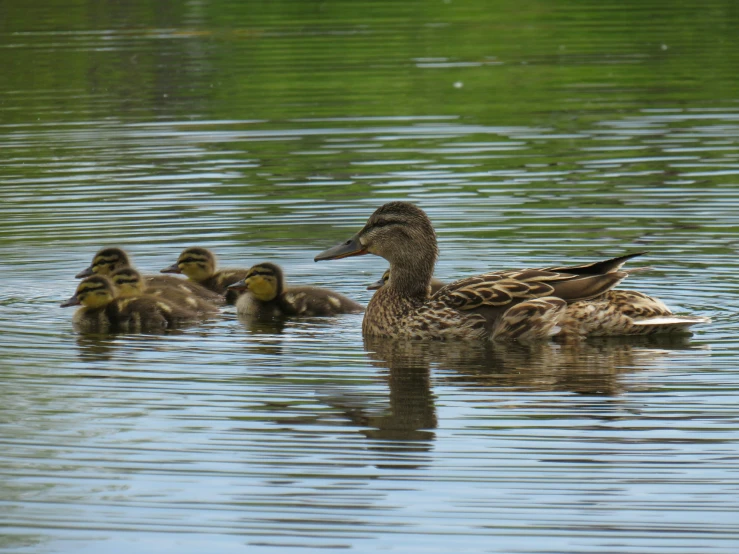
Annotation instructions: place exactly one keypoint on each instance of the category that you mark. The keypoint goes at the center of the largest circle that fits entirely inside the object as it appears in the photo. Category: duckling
(435, 284)
(128, 282)
(525, 304)
(101, 311)
(267, 295)
(199, 265)
(108, 260)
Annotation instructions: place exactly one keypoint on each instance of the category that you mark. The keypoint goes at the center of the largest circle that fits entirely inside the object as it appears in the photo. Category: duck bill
(174, 268)
(377, 284)
(84, 273)
(352, 247)
(72, 301)
(238, 286)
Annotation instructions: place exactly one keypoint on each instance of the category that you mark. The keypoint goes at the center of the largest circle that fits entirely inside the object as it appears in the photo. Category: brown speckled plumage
(623, 312)
(266, 295)
(482, 306)
(199, 265)
(523, 305)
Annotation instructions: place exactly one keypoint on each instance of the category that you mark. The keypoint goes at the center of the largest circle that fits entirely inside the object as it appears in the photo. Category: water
(532, 137)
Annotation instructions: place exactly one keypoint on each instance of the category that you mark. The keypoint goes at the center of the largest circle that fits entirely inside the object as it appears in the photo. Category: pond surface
(533, 134)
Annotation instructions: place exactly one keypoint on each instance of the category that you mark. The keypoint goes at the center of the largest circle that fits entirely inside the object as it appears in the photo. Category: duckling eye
(383, 223)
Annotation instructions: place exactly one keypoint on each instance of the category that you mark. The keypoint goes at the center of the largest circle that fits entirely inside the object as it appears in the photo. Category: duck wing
(596, 268)
(503, 289)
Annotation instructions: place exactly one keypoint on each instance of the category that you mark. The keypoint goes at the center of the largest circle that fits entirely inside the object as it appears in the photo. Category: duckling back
(316, 301)
(148, 313)
(128, 282)
(158, 284)
(187, 300)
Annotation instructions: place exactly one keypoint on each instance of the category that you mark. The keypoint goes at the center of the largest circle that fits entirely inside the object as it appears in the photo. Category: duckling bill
(265, 294)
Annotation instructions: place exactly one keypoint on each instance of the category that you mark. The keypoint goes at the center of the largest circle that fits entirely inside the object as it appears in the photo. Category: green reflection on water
(540, 62)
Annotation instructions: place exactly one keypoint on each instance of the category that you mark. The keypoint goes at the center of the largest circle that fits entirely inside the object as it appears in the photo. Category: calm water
(533, 134)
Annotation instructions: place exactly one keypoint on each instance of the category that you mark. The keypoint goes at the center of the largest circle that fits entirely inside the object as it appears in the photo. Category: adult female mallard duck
(523, 304)
(265, 294)
(128, 282)
(199, 265)
(108, 260)
(101, 311)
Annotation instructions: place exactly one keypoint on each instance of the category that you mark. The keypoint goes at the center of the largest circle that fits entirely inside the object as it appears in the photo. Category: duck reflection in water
(103, 347)
(263, 325)
(411, 414)
(96, 347)
(590, 367)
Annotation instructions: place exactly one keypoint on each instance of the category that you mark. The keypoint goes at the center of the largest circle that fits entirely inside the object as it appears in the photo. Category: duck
(109, 259)
(102, 311)
(523, 304)
(199, 265)
(435, 283)
(128, 282)
(266, 295)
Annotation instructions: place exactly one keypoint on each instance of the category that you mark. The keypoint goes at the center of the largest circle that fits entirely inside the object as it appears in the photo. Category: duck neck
(407, 283)
(410, 276)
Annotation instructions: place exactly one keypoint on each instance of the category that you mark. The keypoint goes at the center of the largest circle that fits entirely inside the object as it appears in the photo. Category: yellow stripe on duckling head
(381, 282)
(198, 264)
(127, 282)
(94, 292)
(263, 281)
(105, 262)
